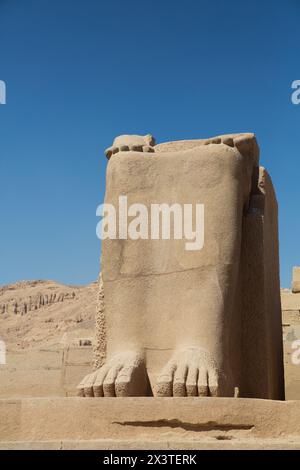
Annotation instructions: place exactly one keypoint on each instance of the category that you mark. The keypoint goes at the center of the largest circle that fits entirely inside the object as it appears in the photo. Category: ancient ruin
(173, 322)
(290, 303)
(296, 280)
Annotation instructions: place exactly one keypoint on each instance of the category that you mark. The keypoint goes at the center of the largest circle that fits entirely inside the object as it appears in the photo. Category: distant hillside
(34, 312)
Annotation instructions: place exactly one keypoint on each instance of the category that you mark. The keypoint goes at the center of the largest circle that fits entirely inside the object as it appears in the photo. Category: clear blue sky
(78, 73)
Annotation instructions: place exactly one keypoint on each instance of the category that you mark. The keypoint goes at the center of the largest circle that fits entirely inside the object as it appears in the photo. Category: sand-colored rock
(178, 317)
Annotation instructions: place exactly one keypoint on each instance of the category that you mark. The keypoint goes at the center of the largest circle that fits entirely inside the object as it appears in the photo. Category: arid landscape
(44, 324)
(36, 313)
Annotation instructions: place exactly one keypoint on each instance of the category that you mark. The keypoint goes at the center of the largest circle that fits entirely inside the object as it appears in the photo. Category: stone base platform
(149, 423)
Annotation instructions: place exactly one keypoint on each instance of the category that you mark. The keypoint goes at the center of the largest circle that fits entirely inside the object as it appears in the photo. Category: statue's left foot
(190, 372)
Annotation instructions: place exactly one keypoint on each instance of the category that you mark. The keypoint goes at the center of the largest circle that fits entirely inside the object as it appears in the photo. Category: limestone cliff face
(34, 312)
(25, 297)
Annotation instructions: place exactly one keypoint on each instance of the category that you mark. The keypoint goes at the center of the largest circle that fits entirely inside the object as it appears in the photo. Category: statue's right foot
(124, 375)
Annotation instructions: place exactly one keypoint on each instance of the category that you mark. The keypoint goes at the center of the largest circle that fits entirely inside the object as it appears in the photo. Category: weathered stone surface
(185, 319)
(261, 306)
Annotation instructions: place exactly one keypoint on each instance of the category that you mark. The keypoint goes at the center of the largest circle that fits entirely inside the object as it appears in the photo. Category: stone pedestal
(149, 423)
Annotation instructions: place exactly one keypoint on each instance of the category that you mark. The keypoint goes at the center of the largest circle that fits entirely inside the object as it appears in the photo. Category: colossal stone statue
(178, 322)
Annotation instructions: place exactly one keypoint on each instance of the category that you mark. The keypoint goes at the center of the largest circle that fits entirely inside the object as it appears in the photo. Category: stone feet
(124, 375)
(134, 143)
(190, 372)
(246, 144)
